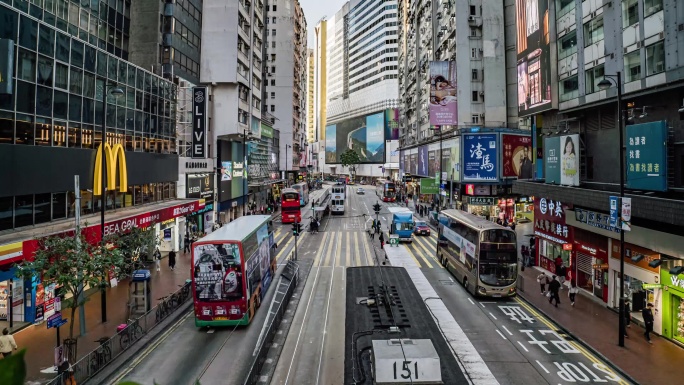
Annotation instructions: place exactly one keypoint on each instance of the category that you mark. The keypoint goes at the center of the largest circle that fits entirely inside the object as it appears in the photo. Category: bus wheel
(465, 283)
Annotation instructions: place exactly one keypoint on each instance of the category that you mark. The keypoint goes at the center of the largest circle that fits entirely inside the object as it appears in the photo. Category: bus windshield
(498, 274)
(218, 272)
(288, 197)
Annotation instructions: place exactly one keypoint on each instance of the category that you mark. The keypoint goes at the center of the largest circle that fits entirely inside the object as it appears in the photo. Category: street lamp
(607, 82)
(109, 89)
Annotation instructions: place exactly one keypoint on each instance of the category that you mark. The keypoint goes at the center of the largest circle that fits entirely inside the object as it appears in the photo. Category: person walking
(562, 270)
(172, 260)
(647, 313)
(554, 287)
(627, 311)
(157, 259)
(382, 240)
(543, 280)
(573, 292)
(186, 243)
(7, 343)
(371, 232)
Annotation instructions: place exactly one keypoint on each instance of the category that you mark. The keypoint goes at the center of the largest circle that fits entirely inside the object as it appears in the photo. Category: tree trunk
(71, 348)
(73, 319)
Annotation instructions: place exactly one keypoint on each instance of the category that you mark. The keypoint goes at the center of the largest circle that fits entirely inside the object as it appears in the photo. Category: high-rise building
(361, 84)
(320, 78)
(285, 79)
(310, 91)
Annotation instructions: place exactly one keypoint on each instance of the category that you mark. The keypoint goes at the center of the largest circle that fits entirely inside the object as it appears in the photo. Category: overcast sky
(314, 10)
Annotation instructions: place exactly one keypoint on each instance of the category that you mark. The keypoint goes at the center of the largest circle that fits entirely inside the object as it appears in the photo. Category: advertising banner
(402, 161)
(480, 158)
(423, 161)
(561, 159)
(646, 152)
(233, 170)
(266, 131)
(365, 135)
(255, 129)
(413, 160)
(331, 144)
(428, 186)
(199, 122)
(392, 124)
(392, 151)
(517, 156)
(535, 59)
(451, 153)
(443, 100)
(200, 186)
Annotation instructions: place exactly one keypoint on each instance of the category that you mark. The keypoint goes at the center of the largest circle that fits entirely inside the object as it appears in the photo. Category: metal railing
(111, 348)
(290, 272)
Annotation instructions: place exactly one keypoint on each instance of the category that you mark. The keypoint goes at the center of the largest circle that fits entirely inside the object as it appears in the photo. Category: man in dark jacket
(554, 286)
(647, 313)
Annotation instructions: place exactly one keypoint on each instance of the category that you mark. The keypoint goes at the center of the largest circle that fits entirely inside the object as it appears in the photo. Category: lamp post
(116, 92)
(607, 82)
(287, 177)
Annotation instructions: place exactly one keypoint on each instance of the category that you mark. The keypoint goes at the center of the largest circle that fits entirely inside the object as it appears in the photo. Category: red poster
(517, 156)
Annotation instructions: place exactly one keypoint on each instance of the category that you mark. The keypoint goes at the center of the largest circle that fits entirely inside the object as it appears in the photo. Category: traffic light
(296, 229)
(376, 208)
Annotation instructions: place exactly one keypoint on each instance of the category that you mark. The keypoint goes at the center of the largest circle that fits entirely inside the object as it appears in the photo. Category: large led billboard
(535, 59)
(365, 135)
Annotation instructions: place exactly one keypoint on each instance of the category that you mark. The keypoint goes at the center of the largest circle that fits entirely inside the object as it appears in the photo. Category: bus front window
(498, 274)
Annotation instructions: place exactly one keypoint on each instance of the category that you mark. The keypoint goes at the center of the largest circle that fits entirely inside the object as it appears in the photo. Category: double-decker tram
(337, 197)
(303, 190)
(232, 268)
(291, 209)
(385, 190)
(482, 255)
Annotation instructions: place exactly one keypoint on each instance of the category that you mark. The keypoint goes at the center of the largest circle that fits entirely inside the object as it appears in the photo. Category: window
(47, 40)
(273, 57)
(26, 97)
(593, 76)
(43, 208)
(567, 45)
(273, 44)
(473, 32)
(58, 205)
(473, 10)
(475, 118)
(28, 33)
(273, 69)
(593, 31)
(275, 7)
(652, 6)
(23, 213)
(273, 20)
(44, 101)
(272, 95)
(476, 97)
(633, 66)
(273, 33)
(6, 213)
(273, 82)
(630, 12)
(27, 65)
(272, 108)
(474, 74)
(564, 6)
(569, 88)
(63, 44)
(473, 53)
(655, 58)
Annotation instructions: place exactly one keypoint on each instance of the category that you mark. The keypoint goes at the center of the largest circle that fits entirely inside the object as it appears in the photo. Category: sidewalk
(39, 341)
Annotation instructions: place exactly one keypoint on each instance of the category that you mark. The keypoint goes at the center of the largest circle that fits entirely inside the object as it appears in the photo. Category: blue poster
(423, 160)
(375, 139)
(480, 158)
(646, 153)
(330, 144)
(613, 211)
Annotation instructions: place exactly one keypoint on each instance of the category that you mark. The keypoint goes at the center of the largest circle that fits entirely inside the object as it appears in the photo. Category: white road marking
(504, 328)
(523, 346)
(490, 313)
(471, 301)
(481, 304)
(263, 328)
(501, 334)
(542, 366)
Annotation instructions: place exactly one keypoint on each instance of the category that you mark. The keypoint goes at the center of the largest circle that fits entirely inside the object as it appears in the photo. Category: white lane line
(490, 313)
(523, 346)
(542, 366)
(501, 334)
(471, 301)
(481, 304)
(504, 328)
(263, 328)
(327, 308)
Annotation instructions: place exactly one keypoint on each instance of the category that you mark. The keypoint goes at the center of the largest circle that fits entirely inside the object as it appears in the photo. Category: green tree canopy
(350, 158)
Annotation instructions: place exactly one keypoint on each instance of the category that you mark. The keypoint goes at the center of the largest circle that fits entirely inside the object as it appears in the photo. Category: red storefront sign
(93, 235)
(549, 221)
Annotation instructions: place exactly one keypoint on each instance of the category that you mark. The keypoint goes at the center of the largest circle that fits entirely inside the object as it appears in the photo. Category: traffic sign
(54, 320)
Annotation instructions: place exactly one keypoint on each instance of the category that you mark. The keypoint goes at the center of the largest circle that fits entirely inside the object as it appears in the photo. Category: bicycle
(102, 355)
(162, 309)
(131, 333)
(184, 292)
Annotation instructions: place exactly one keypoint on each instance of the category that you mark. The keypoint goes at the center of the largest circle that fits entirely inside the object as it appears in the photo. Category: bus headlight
(481, 290)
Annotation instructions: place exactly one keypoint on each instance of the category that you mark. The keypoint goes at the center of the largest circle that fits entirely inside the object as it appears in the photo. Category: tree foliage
(74, 264)
(137, 246)
(350, 158)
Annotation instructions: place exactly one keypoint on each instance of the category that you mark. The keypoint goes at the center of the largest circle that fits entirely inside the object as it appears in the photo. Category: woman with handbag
(573, 292)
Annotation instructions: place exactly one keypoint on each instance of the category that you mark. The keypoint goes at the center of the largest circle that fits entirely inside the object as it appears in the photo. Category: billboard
(392, 147)
(534, 56)
(647, 156)
(561, 160)
(451, 158)
(422, 161)
(392, 124)
(433, 158)
(443, 100)
(480, 158)
(428, 186)
(233, 180)
(199, 123)
(413, 162)
(365, 135)
(200, 186)
(516, 158)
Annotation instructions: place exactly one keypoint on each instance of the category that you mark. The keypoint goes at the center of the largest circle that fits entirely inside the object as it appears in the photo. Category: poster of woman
(443, 100)
(569, 160)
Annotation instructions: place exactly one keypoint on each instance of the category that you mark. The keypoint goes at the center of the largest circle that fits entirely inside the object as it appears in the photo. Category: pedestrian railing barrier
(127, 335)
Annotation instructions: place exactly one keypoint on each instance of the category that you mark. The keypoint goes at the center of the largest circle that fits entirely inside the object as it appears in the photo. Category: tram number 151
(405, 370)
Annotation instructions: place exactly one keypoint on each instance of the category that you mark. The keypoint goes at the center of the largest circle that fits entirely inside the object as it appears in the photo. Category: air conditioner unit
(481, 93)
(471, 18)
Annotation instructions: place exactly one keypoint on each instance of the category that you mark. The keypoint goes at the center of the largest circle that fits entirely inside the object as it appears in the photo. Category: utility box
(417, 363)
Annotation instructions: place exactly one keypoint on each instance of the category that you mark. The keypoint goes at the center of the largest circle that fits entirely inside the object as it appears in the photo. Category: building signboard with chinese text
(481, 201)
(480, 161)
(646, 153)
(428, 186)
(594, 219)
(549, 221)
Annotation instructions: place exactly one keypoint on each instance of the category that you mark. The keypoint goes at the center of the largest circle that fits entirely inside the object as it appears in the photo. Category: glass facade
(59, 84)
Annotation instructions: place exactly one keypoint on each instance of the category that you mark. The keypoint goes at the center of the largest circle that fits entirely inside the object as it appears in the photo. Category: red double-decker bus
(290, 206)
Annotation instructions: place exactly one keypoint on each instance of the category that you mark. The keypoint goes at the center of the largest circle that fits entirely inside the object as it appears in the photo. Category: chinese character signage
(443, 101)
(549, 221)
(561, 160)
(646, 152)
(480, 157)
(594, 219)
(613, 211)
(517, 156)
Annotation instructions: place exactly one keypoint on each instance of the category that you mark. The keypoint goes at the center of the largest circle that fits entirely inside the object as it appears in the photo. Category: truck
(402, 224)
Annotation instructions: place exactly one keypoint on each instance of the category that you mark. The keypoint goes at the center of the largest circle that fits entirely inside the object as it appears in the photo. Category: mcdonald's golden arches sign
(116, 158)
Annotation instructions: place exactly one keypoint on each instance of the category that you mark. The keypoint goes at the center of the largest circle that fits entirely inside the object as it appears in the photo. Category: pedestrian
(542, 279)
(172, 259)
(627, 312)
(554, 286)
(157, 259)
(382, 241)
(371, 232)
(647, 313)
(7, 343)
(573, 292)
(562, 270)
(186, 243)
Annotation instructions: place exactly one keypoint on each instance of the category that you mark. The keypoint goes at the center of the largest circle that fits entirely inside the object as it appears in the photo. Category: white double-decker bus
(482, 255)
(337, 196)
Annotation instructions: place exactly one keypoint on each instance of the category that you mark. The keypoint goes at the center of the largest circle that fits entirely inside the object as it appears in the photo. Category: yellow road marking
(370, 250)
(317, 259)
(427, 252)
(412, 256)
(282, 250)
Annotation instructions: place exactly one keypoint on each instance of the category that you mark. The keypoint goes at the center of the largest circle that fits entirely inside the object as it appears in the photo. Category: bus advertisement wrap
(218, 276)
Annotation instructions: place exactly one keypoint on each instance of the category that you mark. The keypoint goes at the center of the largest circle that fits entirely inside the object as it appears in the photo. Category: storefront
(591, 263)
(672, 291)
(524, 208)
(554, 236)
(482, 206)
(639, 276)
(12, 300)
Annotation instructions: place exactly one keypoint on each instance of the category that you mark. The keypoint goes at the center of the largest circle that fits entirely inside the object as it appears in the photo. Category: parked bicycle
(101, 356)
(130, 333)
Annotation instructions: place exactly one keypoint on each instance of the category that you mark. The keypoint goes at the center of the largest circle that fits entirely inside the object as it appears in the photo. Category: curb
(582, 342)
(117, 364)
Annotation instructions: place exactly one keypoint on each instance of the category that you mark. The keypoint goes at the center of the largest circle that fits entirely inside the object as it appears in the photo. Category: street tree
(350, 159)
(137, 246)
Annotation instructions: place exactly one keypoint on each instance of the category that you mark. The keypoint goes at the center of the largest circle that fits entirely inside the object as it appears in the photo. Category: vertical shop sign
(626, 214)
(199, 122)
(613, 211)
(549, 221)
